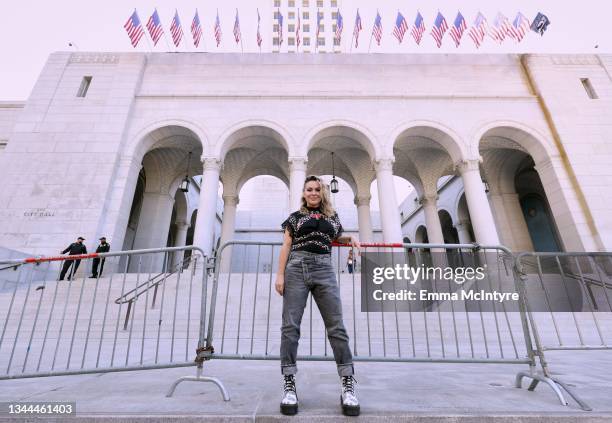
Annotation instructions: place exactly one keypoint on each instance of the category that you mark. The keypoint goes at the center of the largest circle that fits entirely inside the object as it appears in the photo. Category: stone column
(389, 211)
(152, 231)
(228, 226)
(478, 204)
(463, 231)
(432, 219)
(511, 225)
(297, 174)
(364, 219)
(180, 239)
(207, 206)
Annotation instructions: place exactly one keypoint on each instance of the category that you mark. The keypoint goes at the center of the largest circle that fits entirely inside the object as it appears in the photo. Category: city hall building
(499, 149)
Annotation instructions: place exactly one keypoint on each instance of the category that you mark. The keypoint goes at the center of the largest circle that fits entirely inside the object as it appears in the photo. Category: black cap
(81, 238)
(103, 238)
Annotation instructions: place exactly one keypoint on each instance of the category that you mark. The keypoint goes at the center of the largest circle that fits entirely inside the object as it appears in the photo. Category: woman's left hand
(355, 244)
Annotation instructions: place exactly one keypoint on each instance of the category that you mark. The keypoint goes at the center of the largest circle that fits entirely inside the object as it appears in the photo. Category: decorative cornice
(106, 58)
(362, 201)
(468, 165)
(384, 164)
(297, 164)
(211, 163)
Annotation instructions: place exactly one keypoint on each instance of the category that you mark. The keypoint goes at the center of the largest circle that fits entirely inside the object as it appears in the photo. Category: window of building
(321, 28)
(275, 28)
(334, 15)
(586, 83)
(305, 15)
(319, 3)
(334, 3)
(84, 86)
(336, 41)
(291, 3)
(334, 26)
(291, 41)
(276, 3)
(306, 41)
(291, 15)
(276, 15)
(291, 28)
(321, 16)
(305, 3)
(306, 28)
(275, 41)
(321, 41)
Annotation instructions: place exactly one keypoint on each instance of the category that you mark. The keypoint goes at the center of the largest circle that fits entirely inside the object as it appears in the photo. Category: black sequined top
(312, 231)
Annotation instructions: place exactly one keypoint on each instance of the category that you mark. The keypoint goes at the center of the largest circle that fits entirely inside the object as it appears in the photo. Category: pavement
(411, 392)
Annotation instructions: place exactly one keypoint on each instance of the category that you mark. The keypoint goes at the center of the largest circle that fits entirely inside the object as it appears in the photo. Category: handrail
(163, 276)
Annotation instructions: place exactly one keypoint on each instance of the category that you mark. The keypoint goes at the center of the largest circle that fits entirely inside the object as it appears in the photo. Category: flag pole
(241, 48)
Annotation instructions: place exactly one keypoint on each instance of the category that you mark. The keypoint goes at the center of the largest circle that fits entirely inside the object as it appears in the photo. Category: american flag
(458, 29)
(478, 30)
(357, 29)
(134, 29)
(259, 39)
(418, 28)
(280, 28)
(217, 29)
(297, 31)
(500, 28)
(440, 27)
(377, 29)
(401, 26)
(339, 26)
(237, 28)
(155, 27)
(196, 29)
(319, 18)
(519, 27)
(176, 30)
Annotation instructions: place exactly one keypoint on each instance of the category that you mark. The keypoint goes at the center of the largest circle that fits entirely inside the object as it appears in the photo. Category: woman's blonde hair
(325, 206)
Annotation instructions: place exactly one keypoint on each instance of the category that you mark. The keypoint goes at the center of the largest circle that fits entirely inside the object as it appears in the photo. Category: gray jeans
(309, 272)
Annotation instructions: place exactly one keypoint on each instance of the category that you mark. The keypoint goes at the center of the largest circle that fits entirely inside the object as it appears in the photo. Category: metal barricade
(245, 312)
(569, 305)
(79, 325)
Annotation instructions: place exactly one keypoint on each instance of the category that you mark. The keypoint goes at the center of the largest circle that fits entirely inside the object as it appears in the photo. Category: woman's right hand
(280, 284)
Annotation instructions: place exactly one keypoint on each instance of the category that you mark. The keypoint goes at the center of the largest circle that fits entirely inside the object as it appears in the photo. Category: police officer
(104, 247)
(73, 249)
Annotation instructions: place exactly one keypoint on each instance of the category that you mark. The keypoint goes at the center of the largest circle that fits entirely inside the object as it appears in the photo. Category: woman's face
(312, 193)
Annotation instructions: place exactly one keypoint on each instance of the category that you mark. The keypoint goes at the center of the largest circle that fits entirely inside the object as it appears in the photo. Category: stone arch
(527, 139)
(445, 136)
(260, 172)
(250, 128)
(342, 128)
(146, 137)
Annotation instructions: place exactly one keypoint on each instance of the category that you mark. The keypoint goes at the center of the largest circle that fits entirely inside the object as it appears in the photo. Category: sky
(31, 30)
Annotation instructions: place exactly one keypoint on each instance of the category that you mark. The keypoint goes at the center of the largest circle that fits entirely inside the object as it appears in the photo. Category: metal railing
(569, 304)
(50, 327)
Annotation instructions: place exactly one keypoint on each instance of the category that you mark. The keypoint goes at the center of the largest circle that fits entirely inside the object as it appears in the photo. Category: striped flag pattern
(478, 30)
(357, 29)
(339, 26)
(439, 28)
(259, 39)
(458, 28)
(134, 28)
(418, 28)
(401, 26)
(377, 29)
(176, 30)
(196, 29)
(237, 34)
(297, 31)
(217, 29)
(500, 28)
(155, 27)
(519, 27)
(280, 28)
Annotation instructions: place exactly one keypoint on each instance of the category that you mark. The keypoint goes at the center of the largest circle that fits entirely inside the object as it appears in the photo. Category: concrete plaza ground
(412, 392)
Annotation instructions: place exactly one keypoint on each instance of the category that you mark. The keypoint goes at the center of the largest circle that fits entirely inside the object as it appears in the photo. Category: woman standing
(305, 267)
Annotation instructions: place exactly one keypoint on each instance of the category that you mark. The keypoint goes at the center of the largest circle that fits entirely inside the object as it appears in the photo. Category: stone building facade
(102, 144)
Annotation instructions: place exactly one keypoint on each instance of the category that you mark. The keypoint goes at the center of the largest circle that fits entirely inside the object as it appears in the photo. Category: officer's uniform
(104, 247)
(73, 249)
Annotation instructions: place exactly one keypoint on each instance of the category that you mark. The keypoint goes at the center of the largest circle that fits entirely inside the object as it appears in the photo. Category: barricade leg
(199, 378)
